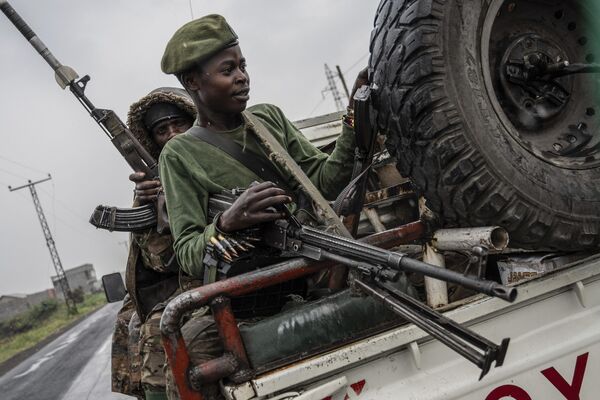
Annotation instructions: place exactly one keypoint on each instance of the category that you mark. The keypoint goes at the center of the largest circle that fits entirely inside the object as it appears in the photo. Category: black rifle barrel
(474, 347)
(399, 261)
(29, 34)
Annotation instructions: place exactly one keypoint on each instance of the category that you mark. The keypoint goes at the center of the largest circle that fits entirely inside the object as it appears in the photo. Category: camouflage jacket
(152, 272)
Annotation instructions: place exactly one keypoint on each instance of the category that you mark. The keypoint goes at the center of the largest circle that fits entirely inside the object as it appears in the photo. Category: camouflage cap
(195, 42)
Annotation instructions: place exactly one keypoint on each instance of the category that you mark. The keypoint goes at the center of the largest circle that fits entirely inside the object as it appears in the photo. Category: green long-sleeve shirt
(191, 170)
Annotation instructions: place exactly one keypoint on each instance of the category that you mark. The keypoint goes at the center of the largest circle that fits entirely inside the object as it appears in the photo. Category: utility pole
(341, 76)
(60, 273)
(332, 87)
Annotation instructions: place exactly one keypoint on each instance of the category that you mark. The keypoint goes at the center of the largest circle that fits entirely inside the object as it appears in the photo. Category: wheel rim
(555, 118)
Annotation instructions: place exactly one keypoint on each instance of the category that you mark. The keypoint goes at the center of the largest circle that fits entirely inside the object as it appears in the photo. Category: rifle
(377, 270)
(138, 158)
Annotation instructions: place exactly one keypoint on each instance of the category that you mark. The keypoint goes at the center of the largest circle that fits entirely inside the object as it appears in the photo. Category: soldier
(152, 274)
(206, 58)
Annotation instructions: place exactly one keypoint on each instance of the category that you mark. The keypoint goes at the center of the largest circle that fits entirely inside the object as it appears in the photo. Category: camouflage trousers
(202, 339)
(124, 378)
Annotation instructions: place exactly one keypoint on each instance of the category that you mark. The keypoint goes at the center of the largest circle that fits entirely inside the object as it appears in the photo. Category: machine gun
(378, 270)
(138, 158)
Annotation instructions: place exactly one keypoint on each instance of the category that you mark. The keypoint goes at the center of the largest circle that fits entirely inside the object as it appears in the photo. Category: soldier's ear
(190, 80)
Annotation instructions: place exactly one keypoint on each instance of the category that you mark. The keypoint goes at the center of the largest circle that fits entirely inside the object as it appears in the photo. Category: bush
(29, 319)
(77, 295)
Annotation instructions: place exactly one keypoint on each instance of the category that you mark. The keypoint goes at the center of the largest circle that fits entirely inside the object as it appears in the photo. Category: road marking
(104, 345)
(35, 366)
(73, 336)
(56, 350)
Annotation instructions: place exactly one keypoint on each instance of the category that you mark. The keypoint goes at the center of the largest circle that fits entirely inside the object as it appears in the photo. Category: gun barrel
(374, 255)
(64, 75)
(29, 34)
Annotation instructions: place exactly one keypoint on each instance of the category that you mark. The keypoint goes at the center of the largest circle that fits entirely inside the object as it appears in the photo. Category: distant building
(83, 277)
(14, 304)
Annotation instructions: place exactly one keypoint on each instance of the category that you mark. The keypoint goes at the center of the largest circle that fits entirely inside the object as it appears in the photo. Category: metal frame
(234, 362)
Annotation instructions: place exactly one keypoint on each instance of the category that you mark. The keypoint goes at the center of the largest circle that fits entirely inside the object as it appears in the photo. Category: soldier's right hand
(252, 207)
(146, 190)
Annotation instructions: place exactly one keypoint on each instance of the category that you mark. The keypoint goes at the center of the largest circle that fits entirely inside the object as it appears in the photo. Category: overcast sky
(119, 44)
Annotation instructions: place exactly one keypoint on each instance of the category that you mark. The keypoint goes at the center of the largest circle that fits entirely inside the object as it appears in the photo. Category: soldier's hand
(146, 190)
(252, 207)
(361, 79)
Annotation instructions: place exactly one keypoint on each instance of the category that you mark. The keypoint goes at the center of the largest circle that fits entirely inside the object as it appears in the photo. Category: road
(74, 366)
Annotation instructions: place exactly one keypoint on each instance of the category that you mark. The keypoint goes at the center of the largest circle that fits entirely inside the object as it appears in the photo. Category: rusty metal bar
(387, 239)
(212, 370)
(395, 237)
(179, 361)
(230, 336)
(399, 191)
(175, 347)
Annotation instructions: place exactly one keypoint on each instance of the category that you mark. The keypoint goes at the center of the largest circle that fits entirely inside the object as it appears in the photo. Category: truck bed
(554, 326)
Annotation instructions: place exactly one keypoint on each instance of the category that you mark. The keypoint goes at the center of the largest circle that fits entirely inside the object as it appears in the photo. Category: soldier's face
(168, 129)
(222, 83)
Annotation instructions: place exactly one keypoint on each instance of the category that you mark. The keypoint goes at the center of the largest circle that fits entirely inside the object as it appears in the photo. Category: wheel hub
(550, 111)
(522, 81)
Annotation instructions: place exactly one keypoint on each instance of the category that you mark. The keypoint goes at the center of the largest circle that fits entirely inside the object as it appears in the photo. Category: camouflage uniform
(152, 278)
(123, 381)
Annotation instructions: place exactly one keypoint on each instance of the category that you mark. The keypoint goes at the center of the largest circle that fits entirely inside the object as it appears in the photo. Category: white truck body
(554, 353)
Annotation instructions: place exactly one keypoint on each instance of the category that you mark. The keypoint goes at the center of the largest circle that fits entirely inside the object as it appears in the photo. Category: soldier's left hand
(361, 79)
(146, 190)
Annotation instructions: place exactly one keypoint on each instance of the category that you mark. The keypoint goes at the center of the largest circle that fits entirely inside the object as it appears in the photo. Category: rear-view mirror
(114, 288)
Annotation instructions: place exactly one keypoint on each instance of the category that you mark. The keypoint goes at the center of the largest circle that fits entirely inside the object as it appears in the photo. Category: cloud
(119, 43)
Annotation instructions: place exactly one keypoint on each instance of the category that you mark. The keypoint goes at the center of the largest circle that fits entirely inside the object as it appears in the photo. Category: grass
(59, 319)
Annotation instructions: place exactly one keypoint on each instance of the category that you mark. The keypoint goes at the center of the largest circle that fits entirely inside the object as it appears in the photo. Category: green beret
(195, 42)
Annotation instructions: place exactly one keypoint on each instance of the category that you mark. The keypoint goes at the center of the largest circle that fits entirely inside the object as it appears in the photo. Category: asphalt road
(76, 365)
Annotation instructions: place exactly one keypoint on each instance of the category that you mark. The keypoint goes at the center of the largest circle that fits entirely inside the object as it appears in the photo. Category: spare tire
(487, 119)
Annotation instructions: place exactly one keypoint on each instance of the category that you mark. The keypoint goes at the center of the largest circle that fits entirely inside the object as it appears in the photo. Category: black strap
(259, 166)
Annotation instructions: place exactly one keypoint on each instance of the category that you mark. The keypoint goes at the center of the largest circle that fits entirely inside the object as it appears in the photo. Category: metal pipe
(494, 238)
(404, 234)
(436, 290)
(373, 217)
(212, 370)
(231, 337)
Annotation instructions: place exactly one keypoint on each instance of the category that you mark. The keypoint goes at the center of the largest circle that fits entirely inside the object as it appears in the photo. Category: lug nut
(557, 147)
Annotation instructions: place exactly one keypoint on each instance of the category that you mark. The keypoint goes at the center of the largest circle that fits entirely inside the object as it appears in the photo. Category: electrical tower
(60, 273)
(332, 87)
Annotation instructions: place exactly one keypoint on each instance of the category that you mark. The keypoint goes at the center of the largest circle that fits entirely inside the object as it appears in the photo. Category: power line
(21, 165)
(65, 206)
(356, 63)
(191, 10)
(12, 173)
(310, 114)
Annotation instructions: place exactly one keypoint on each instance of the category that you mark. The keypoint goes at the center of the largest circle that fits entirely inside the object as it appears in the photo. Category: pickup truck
(553, 324)
(489, 108)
